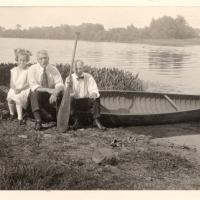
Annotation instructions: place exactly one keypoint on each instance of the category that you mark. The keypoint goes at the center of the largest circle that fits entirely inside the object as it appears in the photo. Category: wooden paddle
(64, 110)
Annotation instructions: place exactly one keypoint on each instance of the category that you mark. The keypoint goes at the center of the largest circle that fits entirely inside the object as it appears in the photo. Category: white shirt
(83, 88)
(35, 73)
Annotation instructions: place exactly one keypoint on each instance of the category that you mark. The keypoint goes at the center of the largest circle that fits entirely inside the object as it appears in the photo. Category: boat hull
(156, 108)
(114, 120)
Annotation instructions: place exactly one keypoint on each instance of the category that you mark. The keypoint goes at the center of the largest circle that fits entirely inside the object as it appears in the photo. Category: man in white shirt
(46, 86)
(84, 95)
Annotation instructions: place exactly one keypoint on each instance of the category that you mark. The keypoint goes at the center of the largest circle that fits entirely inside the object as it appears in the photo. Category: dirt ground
(133, 158)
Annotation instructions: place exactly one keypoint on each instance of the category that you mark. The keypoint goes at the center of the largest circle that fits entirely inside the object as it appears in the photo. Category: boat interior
(141, 103)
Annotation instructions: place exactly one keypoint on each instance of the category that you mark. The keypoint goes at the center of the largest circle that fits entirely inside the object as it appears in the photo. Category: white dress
(19, 79)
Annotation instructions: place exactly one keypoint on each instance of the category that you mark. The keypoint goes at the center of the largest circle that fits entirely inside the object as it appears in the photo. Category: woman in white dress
(19, 89)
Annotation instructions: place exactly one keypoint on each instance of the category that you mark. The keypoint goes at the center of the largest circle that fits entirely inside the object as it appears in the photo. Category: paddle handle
(73, 56)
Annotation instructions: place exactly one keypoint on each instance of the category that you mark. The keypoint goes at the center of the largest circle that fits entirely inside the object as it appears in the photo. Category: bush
(5, 73)
(106, 78)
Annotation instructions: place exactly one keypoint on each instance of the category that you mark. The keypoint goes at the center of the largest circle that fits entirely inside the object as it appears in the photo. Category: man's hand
(69, 83)
(55, 92)
(93, 96)
(17, 91)
(72, 94)
(52, 99)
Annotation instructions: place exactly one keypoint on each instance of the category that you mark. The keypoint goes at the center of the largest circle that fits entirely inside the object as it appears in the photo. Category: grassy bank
(105, 78)
(47, 160)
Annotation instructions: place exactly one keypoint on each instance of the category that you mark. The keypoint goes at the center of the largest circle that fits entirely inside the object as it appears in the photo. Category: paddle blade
(64, 112)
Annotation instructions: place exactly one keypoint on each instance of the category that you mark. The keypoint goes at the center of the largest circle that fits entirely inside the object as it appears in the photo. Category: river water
(164, 68)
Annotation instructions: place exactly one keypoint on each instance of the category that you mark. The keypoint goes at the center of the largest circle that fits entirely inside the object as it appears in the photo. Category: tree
(164, 27)
(167, 27)
(183, 29)
(132, 32)
(18, 26)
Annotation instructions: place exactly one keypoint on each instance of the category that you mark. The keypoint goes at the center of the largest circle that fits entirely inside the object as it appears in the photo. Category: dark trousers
(88, 105)
(39, 102)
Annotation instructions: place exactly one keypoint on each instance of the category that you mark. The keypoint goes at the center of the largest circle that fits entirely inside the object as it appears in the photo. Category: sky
(110, 17)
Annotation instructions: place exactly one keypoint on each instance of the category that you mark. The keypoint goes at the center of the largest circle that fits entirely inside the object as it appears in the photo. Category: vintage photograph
(99, 98)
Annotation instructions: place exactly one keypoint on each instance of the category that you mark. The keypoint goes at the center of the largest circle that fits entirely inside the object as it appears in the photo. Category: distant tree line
(162, 28)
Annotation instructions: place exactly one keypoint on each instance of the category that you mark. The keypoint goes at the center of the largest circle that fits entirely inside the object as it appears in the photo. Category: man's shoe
(99, 125)
(38, 125)
(76, 124)
(46, 116)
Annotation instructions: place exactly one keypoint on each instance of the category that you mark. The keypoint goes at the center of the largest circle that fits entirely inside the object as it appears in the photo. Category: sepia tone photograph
(99, 98)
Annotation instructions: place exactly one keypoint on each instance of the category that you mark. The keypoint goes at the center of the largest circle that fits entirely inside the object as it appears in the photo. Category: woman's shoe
(12, 117)
(21, 122)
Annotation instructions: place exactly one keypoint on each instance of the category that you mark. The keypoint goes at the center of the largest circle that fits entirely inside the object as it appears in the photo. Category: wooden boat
(127, 108)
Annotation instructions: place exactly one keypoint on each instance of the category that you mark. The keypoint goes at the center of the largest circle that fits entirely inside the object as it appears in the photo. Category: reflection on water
(166, 59)
(166, 68)
(167, 62)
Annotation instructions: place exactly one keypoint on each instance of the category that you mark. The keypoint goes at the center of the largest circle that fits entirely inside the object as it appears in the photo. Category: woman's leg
(19, 111)
(11, 106)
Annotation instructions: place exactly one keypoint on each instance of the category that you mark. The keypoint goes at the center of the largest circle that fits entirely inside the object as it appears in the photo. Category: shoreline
(156, 42)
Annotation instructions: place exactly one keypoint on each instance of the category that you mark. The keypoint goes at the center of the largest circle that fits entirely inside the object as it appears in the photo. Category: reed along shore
(106, 78)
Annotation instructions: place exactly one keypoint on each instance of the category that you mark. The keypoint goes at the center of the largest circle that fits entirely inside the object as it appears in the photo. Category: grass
(48, 160)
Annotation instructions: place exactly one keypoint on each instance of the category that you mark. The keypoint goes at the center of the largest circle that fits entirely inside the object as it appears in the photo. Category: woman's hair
(23, 52)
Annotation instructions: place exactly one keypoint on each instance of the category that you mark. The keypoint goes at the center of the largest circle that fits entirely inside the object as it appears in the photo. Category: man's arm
(49, 90)
(59, 86)
(92, 88)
